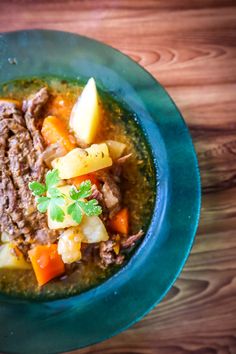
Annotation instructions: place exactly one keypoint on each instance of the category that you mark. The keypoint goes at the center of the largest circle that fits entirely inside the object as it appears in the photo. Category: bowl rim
(94, 291)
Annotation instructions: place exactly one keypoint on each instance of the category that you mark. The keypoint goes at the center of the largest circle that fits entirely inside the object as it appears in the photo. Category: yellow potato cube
(8, 258)
(79, 162)
(69, 245)
(93, 229)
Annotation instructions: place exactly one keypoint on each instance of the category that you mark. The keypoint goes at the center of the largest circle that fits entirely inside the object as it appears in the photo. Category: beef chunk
(107, 254)
(96, 194)
(111, 192)
(106, 250)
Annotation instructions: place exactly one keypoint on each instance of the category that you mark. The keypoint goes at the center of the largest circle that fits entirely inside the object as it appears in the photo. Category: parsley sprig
(81, 205)
(53, 200)
(49, 197)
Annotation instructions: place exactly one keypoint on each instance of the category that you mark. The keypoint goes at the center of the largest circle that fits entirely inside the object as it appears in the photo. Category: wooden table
(189, 46)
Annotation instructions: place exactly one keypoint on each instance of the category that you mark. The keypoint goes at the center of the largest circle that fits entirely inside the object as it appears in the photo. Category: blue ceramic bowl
(78, 321)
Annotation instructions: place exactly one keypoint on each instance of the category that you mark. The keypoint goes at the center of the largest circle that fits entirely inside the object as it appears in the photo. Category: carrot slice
(78, 180)
(54, 130)
(47, 263)
(120, 222)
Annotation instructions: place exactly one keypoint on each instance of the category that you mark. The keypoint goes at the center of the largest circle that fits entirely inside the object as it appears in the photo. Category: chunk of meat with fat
(107, 254)
(111, 192)
(109, 196)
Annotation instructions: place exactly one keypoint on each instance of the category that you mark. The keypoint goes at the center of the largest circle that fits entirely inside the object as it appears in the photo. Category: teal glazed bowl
(78, 321)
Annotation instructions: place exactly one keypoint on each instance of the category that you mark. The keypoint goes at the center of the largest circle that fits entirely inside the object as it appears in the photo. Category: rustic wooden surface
(189, 46)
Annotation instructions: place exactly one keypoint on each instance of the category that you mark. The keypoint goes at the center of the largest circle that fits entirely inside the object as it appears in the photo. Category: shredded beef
(10, 123)
(106, 250)
(21, 149)
(96, 194)
(118, 166)
(108, 256)
(131, 240)
(52, 152)
(32, 109)
(111, 192)
(110, 195)
(123, 159)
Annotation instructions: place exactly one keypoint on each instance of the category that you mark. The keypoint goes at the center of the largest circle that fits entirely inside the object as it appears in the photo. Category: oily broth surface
(137, 188)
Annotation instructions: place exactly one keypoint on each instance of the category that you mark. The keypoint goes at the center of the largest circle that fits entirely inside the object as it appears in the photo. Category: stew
(77, 186)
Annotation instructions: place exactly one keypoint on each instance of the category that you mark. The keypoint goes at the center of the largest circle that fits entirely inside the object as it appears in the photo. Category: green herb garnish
(49, 197)
(37, 188)
(81, 205)
(53, 200)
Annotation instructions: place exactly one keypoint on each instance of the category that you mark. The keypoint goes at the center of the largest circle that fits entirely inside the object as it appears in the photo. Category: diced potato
(79, 162)
(68, 221)
(69, 245)
(85, 115)
(9, 259)
(116, 148)
(93, 229)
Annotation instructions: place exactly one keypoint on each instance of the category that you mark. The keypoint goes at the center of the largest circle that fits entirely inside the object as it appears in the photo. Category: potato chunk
(85, 115)
(68, 221)
(10, 259)
(69, 245)
(115, 148)
(79, 162)
(93, 229)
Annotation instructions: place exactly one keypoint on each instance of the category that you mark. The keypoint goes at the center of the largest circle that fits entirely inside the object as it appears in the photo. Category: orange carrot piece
(54, 130)
(47, 263)
(78, 180)
(120, 222)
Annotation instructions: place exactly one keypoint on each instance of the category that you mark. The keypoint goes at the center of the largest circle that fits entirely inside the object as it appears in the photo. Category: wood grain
(189, 46)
